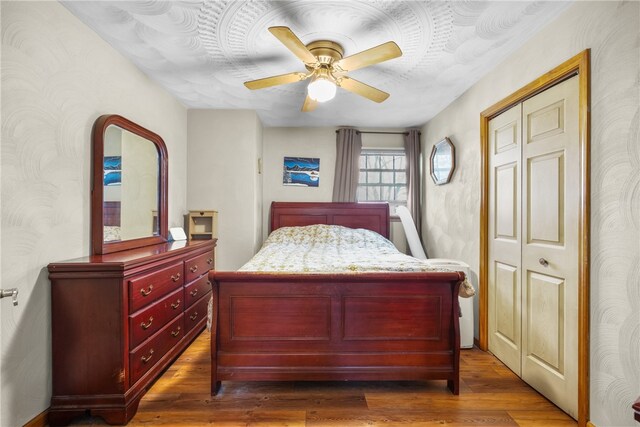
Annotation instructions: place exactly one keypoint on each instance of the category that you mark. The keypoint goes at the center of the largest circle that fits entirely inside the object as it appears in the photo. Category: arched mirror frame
(97, 190)
(432, 159)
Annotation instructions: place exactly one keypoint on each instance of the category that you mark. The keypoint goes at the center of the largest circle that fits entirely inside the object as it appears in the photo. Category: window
(383, 177)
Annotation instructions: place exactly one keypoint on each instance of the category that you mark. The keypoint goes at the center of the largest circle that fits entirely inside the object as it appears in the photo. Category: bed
(348, 325)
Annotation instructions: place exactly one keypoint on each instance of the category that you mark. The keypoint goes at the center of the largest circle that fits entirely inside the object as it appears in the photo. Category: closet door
(550, 207)
(504, 237)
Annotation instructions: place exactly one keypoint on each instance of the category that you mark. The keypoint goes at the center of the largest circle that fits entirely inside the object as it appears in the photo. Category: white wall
(259, 208)
(320, 143)
(451, 220)
(224, 148)
(58, 77)
(296, 142)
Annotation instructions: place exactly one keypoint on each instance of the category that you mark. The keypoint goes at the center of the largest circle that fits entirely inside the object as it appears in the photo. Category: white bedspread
(330, 249)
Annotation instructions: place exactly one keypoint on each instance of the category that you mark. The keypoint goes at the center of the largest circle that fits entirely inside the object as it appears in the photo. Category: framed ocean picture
(301, 171)
(112, 170)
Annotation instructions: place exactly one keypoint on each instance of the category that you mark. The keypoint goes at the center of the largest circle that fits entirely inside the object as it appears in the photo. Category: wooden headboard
(371, 216)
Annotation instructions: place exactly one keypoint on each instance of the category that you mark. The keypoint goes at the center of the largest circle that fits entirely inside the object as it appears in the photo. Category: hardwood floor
(490, 395)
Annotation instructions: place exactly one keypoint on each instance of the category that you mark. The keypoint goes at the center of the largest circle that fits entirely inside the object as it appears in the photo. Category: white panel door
(550, 208)
(504, 237)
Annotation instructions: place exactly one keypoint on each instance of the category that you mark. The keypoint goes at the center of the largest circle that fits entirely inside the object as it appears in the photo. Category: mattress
(331, 249)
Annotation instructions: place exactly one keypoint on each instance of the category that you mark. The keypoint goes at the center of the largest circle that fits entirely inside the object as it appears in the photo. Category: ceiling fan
(327, 68)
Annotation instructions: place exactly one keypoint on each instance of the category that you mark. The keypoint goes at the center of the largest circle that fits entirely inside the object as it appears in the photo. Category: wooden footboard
(360, 326)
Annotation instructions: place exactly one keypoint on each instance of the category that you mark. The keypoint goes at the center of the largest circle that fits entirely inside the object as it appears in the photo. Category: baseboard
(590, 424)
(40, 420)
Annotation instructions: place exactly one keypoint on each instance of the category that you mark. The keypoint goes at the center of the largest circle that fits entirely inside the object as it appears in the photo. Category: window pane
(399, 194)
(386, 162)
(373, 177)
(382, 177)
(386, 193)
(375, 164)
(387, 177)
(373, 193)
(402, 193)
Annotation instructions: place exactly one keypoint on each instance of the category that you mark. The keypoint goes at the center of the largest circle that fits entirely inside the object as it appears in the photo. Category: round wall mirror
(442, 161)
(129, 203)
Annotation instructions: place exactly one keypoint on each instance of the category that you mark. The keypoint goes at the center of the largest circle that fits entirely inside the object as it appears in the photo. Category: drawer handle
(209, 282)
(146, 292)
(194, 268)
(194, 292)
(176, 277)
(145, 359)
(176, 332)
(175, 304)
(210, 261)
(148, 324)
(194, 316)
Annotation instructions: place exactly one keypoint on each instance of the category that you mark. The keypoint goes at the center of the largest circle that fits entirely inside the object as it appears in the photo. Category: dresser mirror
(129, 194)
(442, 161)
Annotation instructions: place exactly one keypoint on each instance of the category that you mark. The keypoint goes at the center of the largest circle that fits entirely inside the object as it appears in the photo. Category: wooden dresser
(118, 320)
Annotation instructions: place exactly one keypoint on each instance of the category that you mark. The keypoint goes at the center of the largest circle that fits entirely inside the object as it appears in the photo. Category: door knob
(543, 262)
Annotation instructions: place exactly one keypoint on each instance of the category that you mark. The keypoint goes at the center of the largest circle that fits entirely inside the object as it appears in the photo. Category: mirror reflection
(130, 187)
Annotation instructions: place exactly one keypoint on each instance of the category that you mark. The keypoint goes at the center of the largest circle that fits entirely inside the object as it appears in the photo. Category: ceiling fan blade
(293, 43)
(282, 79)
(362, 89)
(309, 104)
(375, 55)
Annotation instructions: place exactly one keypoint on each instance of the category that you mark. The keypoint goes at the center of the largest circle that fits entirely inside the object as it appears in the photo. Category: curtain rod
(384, 133)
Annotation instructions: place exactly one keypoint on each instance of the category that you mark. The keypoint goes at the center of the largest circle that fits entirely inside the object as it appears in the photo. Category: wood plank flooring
(490, 395)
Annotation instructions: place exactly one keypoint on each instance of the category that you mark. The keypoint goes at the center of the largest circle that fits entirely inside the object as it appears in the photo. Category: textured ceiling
(202, 51)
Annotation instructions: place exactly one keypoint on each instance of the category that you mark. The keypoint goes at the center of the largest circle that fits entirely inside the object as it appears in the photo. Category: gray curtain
(348, 147)
(412, 150)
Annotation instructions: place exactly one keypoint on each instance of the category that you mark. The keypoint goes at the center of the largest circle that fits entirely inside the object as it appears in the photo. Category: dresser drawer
(147, 288)
(145, 322)
(198, 311)
(196, 289)
(197, 266)
(145, 356)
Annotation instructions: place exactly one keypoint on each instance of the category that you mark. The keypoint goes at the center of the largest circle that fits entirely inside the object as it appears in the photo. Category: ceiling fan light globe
(321, 90)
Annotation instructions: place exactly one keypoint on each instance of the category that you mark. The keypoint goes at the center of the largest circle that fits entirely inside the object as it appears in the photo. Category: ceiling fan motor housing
(326, 51)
